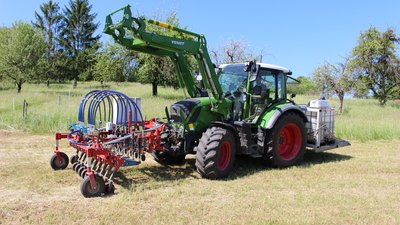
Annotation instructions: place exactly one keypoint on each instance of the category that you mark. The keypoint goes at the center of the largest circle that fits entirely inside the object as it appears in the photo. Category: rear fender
(270, 117)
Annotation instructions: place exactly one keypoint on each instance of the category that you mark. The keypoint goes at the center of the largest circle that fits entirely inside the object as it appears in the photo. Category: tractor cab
(252, 90)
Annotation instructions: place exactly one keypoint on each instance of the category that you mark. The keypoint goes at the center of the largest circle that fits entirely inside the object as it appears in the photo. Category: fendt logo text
(178, 42)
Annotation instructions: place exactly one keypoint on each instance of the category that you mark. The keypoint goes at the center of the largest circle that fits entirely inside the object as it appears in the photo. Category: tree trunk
(382, 100)
(75, 83)
(48, 83)
(154, 85)
(19, 86)
(341, 97)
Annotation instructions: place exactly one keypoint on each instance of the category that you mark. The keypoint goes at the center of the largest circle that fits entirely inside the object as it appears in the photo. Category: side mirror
(248, 66)
(292, 95)
(251, 66)
(256, 69)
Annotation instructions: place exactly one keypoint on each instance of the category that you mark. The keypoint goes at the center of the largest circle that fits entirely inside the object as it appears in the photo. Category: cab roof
(264, 65)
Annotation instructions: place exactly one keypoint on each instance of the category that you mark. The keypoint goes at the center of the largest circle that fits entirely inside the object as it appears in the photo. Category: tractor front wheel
(215, 153)
(285, 143)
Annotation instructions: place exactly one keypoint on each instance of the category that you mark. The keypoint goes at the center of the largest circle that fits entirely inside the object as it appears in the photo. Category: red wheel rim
(224, 155)
(289, 141)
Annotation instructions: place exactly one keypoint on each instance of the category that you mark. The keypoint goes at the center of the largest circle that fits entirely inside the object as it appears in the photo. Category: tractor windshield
(231, 77)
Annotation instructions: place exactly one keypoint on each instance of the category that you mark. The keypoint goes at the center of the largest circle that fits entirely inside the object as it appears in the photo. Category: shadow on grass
(132, 177)
(314, 158)
(244, 166)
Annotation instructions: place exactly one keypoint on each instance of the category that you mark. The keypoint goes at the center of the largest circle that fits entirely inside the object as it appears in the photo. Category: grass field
(52, 109)
(359, 184)
(354, 185)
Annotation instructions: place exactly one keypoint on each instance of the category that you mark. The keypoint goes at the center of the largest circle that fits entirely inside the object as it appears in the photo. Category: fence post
(25, 109)
(59, 100)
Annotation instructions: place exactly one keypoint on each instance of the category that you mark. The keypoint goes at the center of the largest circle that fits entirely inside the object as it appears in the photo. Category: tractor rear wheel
(59, 164)
(215, 153)
(285, 143)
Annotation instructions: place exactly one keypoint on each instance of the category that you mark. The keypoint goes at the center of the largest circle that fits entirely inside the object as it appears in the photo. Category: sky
(297, 34)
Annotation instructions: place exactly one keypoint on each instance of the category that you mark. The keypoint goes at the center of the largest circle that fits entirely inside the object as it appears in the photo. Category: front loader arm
(131, 32)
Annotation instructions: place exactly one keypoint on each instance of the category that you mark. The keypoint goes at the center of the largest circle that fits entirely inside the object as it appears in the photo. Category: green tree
(48, 21)
(21, 49)
(128, 58)
(375, 62)
(159, 70)
(77, 38)
(156, 71)
(334, 79)
(305, 87)
(360, 88)
(109, 66)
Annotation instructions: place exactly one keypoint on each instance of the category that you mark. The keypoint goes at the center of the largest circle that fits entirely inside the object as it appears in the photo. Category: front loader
(235, 117)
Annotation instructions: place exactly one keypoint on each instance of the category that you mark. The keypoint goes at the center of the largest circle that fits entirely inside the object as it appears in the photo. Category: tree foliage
(333, 79)
(127, 58)
(48, 21)
(305, 87)
(109, 66)
(77, 38)
(376, 64)
(158, 70)
(21, 49)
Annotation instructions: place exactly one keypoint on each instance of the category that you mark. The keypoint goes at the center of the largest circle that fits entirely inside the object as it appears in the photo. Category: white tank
(319, 104)
(320, 125)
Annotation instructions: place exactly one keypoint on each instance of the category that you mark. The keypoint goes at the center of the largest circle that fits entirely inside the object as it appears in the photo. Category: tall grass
(364, 119)
(52, 109)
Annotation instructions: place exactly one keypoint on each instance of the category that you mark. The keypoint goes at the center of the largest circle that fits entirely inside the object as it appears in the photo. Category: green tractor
(235, 109)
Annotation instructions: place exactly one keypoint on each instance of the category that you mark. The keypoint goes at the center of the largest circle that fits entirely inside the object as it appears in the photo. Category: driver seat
(258, 96)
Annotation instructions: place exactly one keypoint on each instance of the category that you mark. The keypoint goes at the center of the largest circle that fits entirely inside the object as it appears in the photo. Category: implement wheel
(80, 170)
(75, 166)
(59, 164)
(215, 153)
(74, 159)
(109, 189)
(83, 173)
(87, 190)
(285, 143)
